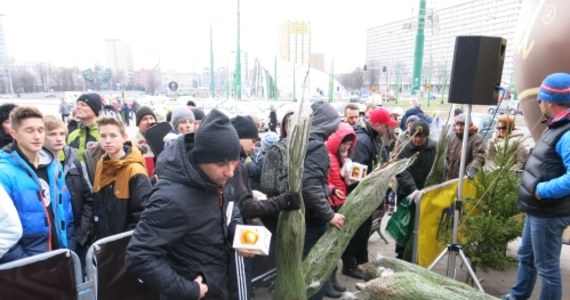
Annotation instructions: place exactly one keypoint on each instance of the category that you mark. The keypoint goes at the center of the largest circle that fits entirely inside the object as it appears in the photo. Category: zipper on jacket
(49, 221)
(220, 198)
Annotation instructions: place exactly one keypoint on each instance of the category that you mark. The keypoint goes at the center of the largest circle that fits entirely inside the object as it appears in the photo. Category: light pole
(237, 91)
(419, 49)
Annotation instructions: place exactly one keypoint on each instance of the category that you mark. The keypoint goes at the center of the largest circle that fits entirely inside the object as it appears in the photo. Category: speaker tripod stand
(455, 248)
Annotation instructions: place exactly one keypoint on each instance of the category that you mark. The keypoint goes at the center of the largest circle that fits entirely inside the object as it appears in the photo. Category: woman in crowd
(339, 146)
(506, 137)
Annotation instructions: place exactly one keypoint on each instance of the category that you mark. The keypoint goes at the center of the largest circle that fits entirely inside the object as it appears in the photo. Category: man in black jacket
(414, 177)
(318, 212)
(181, 246)
(251, 208)
(369, 151)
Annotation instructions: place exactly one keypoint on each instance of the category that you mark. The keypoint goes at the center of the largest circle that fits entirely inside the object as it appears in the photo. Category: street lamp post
(419, 49)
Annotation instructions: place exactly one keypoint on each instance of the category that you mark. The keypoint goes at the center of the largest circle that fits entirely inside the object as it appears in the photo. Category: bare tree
(352, 81)
(24, 81)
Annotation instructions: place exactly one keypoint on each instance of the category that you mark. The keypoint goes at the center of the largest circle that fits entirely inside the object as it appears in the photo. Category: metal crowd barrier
(105, 267)
(57, 275)
(53, 275)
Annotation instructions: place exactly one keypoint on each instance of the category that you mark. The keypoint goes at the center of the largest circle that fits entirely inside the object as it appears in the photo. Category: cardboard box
(250, 237)
(356, 171)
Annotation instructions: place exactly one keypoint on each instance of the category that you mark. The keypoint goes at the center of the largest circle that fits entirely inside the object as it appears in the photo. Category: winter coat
(273, 118)
(335, 179)
(249, 207)
(369, 147)
(254, 167)
(412, 111)
(495, 145)
(23, 185)
(315, 184)
(81, 193)
(547, 173)
(5, 138)
(414, 177)
(184, 231)
(274, 172)
(120, 191)
(10, 226)
(140, 141)
(79, 138)
(64, 108)
(475, 153)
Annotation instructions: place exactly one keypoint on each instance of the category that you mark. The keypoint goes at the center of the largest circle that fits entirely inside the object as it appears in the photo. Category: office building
(392, 45)
(119, 57)
(295, 42)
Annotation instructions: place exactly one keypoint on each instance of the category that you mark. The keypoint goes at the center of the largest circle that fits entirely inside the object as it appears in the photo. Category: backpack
(274, 177)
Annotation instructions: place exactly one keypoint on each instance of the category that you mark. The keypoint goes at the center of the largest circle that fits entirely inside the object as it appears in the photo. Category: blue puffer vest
(543, 165)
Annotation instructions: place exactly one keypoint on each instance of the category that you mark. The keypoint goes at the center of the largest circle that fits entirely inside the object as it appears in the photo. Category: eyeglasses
(501, 128)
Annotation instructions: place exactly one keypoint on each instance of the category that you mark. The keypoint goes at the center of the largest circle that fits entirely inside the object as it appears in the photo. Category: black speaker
(477, 69)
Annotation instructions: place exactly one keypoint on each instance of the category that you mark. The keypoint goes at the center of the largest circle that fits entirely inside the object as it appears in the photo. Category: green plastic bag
(401, 224)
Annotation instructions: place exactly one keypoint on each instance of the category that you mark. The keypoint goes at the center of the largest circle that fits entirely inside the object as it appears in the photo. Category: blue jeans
(540, 253)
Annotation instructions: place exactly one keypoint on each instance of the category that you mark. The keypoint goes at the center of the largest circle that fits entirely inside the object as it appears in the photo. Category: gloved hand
(291, 200)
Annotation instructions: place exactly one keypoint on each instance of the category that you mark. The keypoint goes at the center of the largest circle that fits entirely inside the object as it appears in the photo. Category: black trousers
(356, 252)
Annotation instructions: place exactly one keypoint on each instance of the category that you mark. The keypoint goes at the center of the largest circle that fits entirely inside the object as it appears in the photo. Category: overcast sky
(176, 32)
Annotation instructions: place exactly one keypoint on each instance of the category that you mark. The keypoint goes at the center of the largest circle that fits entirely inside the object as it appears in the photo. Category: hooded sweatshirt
(315, 184)
(336, 181)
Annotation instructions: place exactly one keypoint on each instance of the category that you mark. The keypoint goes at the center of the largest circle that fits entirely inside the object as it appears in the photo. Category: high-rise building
(5, 62)
(392, 45)
(295, 42)
(318, 61)
(119, 57)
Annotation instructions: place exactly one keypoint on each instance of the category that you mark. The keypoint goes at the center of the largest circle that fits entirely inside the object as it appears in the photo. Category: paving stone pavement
(496, 283)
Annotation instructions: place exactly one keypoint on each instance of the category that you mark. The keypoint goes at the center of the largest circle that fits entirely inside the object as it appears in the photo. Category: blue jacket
(23, 185)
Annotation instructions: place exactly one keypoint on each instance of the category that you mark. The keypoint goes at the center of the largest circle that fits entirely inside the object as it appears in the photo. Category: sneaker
(508, 297)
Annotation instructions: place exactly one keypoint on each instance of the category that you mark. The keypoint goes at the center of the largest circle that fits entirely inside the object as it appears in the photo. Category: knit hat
(382, 116)
(245, 127)
(421, 127)
(142, 112)
(412, 118)
(270, 139)
(180, 114)
(93, 101)
(198, 114)
(5, 110)
(461, 118)
(216, 140)
(555, 89)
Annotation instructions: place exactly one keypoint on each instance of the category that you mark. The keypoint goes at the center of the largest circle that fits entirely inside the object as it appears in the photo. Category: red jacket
(335, 180)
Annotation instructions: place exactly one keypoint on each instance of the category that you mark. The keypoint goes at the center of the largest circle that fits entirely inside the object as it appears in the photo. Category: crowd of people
(63, 186)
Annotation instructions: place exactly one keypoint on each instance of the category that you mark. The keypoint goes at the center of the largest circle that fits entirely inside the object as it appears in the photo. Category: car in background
(234, 108)
(511, 107)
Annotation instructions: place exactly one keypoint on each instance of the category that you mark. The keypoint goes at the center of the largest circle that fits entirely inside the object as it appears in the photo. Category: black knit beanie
(245, 127)
(142, 112)
(198, 114)
(5, 110)
(93, 100)
(216, 140)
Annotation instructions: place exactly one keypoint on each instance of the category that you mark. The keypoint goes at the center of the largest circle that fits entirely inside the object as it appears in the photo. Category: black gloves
(291, 201)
